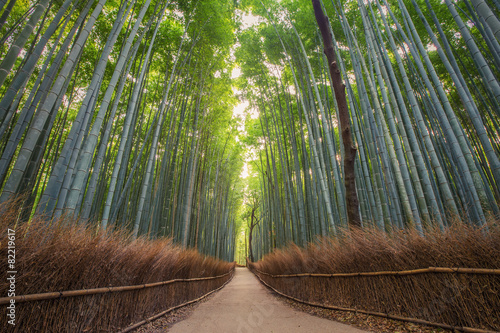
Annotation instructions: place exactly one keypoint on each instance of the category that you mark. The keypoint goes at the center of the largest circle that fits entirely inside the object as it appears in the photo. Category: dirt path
(245, 306)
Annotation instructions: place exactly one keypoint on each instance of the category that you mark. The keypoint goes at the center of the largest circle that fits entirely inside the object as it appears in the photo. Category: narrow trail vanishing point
(246, 306)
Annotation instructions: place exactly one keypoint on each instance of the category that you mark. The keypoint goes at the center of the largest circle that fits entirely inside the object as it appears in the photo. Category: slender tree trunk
(353, 216)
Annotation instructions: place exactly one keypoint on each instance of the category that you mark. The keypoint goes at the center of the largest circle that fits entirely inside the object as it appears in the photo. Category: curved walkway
(246, 306)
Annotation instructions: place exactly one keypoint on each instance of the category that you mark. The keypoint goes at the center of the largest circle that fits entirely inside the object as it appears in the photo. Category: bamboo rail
(94, 291)
(380, 314)
(407, 272)
(158, 315)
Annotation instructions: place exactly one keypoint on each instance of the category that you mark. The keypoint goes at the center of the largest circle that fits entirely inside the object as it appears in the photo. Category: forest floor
(245, 305)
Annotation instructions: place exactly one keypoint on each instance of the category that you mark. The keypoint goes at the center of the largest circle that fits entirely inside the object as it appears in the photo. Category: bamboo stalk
(386, 315)
(406, 272)
(95, 291)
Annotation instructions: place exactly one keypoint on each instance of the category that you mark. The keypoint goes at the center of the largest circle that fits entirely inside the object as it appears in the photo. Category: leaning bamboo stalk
(95, 291)
(158, 315)
(380, 273)
(380, 314)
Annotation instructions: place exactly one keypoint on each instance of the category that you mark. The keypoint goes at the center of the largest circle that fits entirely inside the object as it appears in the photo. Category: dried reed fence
(392, 283)
(76, 280)
(158, 315)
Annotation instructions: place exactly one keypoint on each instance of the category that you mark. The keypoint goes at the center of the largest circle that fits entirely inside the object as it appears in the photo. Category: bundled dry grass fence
(73, 258)
(396, 280)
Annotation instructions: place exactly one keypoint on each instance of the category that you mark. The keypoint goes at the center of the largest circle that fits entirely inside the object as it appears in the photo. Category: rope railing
(379, 314)
(103, 290)
(406, 272)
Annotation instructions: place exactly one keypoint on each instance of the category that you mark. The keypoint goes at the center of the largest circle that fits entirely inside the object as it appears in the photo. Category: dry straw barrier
(120, 306)
(156, 316)
(462, 299)
(74, 279)
(95, 291)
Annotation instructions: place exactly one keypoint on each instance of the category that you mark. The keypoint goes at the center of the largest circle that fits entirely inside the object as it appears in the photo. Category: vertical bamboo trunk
(7, 10)
(36, 129)
(17, 46)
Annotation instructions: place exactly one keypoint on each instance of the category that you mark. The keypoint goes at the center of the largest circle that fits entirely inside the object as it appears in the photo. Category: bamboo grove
(422, 83)
(119, 114)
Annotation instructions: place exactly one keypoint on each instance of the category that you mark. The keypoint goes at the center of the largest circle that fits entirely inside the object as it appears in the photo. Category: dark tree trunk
(353, 216)
(252, 225)
(250, 246)
(253, 222)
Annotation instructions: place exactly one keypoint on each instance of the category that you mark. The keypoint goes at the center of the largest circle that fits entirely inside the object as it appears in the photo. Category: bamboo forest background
(120, 114)
(422, 85)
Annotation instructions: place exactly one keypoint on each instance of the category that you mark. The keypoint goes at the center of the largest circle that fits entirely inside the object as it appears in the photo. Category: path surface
(246, 306)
